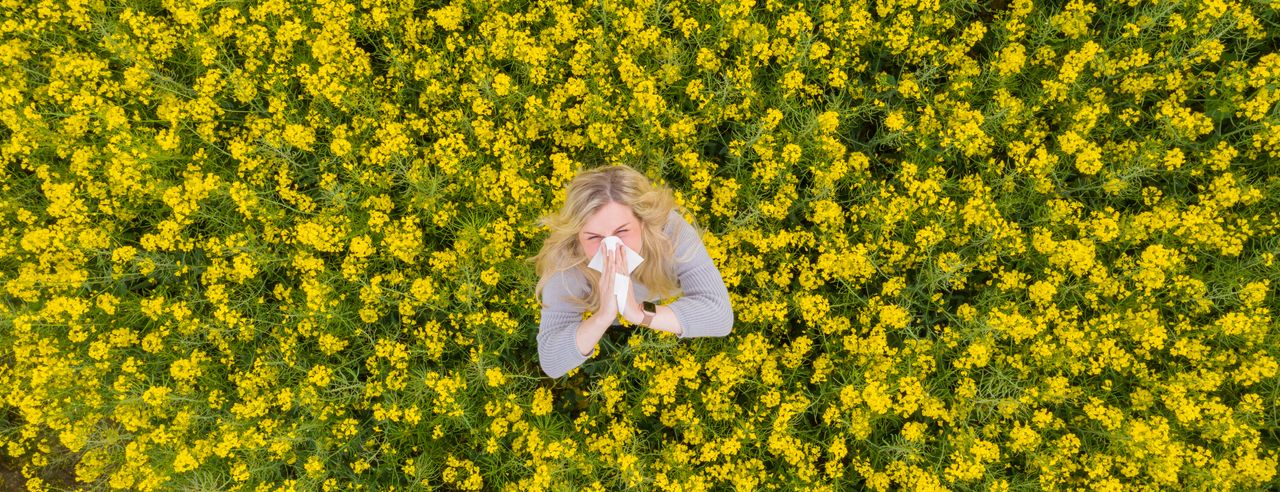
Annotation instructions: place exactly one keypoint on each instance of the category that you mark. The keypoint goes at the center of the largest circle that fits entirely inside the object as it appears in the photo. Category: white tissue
(620, 282)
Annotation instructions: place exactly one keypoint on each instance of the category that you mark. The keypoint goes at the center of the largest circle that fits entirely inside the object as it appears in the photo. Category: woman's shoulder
(567, 280)
(676, 224)
(686, 242)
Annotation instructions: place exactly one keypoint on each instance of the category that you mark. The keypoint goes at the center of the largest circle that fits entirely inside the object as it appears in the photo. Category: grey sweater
(703, 310)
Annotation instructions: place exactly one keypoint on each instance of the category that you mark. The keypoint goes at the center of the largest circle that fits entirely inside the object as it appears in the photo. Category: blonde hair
(584, 196)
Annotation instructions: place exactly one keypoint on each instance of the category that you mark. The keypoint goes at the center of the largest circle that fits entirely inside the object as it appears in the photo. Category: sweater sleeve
(558, 328)
(704, 309)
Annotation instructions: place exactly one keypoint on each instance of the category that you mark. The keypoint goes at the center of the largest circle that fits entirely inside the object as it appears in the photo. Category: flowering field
(970, 245)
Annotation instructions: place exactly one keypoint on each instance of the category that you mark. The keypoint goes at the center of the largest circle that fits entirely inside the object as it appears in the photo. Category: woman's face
(613, 219)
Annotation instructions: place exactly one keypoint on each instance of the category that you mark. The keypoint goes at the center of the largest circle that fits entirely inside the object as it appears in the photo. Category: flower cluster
(277, 245)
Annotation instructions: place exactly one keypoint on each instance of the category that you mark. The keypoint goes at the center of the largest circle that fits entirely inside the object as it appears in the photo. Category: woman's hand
(615, 264)
(612, 264)
(632, 311)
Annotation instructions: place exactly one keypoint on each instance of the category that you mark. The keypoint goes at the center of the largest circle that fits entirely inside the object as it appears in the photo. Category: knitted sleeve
(558, 330)
(704, 309)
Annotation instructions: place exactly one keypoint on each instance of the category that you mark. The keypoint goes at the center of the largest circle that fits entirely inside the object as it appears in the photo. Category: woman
(619, 201)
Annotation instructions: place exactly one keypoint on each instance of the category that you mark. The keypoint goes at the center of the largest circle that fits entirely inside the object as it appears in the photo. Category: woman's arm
(565, 340)
(665, 320)
(588, 333)
(704, 310)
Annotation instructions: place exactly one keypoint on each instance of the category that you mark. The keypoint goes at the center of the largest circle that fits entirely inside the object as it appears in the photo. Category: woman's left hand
(633, 313)
(630, 312)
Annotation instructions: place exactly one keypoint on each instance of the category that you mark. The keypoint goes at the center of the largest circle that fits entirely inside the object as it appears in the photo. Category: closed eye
(593, 236)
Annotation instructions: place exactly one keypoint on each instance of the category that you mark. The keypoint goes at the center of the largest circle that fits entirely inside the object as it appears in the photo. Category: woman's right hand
(607, 300)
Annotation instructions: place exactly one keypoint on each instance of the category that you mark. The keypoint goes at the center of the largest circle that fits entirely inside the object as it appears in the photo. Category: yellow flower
(404, 240)
(796, 352)
(448, 17)
(724, 197)
(707, 60)
(300, 136)
(1022, 438)
(1042, 292)
(1010, 59)
(490, 276)
(969, 463)
(156, 395)
(976, 355)
(914, 431)
(1154, 263)
(1173, 159)
(494, 377)
(929, 236)
(1014, 324)
(501, 84)
(1254, 293)
(314, 467)
(876, 397)
(323, 235)
(186, 370)
(828, 122)
(895, 121)
(1075, 18)
(541, 401)
(319, 375)
(792, 81)
(185, 461)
